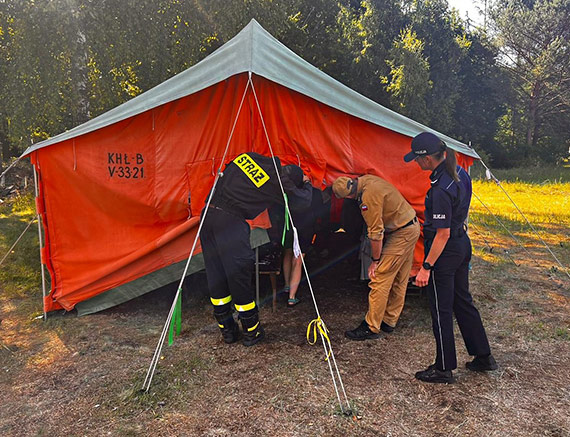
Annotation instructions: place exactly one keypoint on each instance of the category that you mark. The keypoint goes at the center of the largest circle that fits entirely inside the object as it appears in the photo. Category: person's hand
(372, 269)
(422, 277)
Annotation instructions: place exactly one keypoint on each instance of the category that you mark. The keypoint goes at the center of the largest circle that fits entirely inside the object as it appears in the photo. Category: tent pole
(41, 243)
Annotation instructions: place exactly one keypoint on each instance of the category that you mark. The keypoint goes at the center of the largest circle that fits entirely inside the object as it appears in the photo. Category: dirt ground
(82, 376)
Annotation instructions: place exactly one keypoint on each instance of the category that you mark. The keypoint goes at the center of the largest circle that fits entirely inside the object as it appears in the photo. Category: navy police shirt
(447, 201)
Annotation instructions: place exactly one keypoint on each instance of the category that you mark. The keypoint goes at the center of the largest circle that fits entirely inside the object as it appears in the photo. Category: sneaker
(432, 374)
(386, 328)
(363, 332)
(482, 363)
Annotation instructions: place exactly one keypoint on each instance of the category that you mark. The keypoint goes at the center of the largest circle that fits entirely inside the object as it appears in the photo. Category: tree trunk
(79, 73)
(532, 123)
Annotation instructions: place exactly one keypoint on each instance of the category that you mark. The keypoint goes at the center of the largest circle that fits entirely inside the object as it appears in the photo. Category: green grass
(546, 206)
(20, 271)
(545, 203)
(539, 174)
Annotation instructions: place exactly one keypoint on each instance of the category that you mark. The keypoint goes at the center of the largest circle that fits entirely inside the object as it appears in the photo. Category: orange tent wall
(114, 202)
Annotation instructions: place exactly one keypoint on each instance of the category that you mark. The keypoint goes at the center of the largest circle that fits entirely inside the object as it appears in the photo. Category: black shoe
(386, 328)
(363, 332)
(432, 374)
(482, 363)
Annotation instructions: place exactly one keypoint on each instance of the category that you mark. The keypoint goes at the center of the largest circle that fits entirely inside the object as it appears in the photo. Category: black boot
(252, 330)
(228, 326)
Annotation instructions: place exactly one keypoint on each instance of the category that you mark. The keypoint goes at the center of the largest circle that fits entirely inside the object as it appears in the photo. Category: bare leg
(287, 260)
(296, 273)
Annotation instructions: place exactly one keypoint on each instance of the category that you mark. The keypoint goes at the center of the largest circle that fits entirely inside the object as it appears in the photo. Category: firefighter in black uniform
(446, 264)
(247, 186)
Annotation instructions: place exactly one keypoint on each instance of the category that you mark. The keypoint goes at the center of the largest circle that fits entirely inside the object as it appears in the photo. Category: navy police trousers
(448, 292)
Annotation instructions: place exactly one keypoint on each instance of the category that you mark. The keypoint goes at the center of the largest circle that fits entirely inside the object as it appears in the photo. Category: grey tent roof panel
(254, 50)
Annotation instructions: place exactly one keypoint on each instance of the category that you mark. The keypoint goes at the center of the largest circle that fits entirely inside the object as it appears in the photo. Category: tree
(534, 43)
(408, 82)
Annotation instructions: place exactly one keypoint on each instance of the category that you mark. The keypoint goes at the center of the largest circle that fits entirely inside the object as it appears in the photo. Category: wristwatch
(427, 265)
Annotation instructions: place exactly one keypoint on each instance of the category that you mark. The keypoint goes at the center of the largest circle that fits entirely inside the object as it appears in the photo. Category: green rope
(286, 224)
(176, 319)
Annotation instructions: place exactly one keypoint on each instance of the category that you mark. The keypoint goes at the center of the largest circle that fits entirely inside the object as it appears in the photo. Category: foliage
(506, 91)
(534, 42)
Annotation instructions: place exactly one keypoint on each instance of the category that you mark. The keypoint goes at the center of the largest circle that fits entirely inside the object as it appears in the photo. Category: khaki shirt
(382, 206)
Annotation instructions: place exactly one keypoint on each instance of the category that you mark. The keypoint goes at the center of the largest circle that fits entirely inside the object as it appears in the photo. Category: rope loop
(319, 324)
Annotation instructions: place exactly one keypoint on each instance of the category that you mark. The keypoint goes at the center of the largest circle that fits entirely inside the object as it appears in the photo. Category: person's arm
(375, 252)
(437, 246)
(371, 209)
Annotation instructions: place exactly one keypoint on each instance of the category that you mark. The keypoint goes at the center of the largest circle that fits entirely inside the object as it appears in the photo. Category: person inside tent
(248, 185)
(393, 231)
(445, 271)
(304, 221)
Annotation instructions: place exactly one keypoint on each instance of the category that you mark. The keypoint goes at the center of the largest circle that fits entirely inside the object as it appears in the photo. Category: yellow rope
(319, 324)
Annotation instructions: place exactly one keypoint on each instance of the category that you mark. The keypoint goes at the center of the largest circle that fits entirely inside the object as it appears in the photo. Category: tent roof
(255, 50)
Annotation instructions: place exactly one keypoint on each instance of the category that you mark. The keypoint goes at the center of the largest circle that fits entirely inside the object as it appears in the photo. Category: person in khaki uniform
(393, 230)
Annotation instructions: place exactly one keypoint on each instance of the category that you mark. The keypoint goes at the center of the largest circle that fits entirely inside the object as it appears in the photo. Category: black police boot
(482, 363)
(432, 374)
(252, 330)
(228, 326)
(384, 327)
(362, 332)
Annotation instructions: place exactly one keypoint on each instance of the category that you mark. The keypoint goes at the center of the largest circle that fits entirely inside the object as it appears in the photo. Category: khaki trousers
(388, 289)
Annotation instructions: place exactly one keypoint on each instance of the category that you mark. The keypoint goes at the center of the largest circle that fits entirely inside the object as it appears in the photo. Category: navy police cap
(424, 144)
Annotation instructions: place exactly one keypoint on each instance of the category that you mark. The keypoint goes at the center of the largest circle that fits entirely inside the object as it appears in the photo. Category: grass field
(80, 376)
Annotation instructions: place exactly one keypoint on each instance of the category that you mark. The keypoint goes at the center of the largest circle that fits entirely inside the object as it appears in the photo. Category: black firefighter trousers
(229, 261)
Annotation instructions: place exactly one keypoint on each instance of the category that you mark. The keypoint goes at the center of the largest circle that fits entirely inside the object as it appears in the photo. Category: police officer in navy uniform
(446, 264)
(247, 186)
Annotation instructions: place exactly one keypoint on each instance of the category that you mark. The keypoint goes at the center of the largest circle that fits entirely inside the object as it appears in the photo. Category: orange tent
(120, 196)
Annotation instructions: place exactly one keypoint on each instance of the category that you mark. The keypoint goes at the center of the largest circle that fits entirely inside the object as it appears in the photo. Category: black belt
(410, 223)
